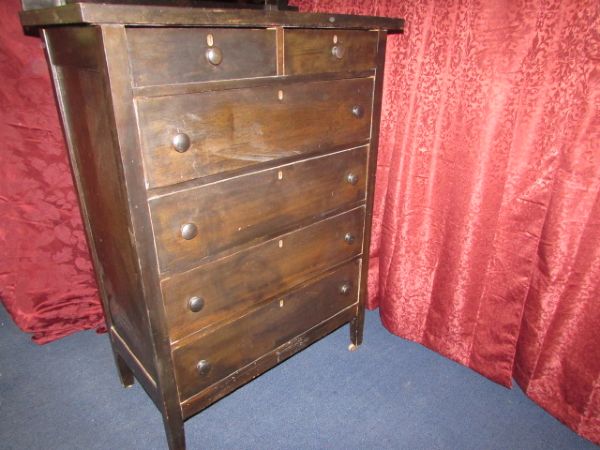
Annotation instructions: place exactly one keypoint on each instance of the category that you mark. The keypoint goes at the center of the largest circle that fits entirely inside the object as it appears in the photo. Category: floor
(390, 394)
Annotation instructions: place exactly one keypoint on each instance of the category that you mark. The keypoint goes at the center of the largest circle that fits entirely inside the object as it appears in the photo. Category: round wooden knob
(345, 288)
(358, 111)
(181, 142)
(214, 55)
(352, 178)
(203, 367)
(196, 304)
(189, 231)
(349, 238)
(338, 51)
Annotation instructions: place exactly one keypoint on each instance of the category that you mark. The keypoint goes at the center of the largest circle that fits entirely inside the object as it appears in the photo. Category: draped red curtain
(486, 243)
(47, 282)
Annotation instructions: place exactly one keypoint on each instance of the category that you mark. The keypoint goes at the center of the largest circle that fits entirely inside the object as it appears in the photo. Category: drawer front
(320, 51)
(184, 55)
(237, 344)
(232, 129)
(203, 221)
(226, 288)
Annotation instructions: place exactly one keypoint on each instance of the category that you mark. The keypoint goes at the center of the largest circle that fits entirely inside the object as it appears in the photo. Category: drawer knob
(349, 238)
(203, 367)
(214, 55)
(181, 142)
(189, 231)
(345, 288)
(352, 178)
(358, 111)
(338, 51)
(196, 304)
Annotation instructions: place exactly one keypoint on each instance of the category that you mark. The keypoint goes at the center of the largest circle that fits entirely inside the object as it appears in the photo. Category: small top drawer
(185, 55)
(318, 51)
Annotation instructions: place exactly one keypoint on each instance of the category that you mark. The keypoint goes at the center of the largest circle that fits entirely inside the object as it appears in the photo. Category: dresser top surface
(136, 15)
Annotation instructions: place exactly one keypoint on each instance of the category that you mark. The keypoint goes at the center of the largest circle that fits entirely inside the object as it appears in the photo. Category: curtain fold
(486, 244)
(560, 334)
(47, 282)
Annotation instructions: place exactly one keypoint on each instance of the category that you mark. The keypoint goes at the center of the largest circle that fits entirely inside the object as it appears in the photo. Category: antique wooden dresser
(225, 163)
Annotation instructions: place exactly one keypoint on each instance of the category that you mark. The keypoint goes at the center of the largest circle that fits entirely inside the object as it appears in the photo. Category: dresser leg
(174, 431)
(356, 331)
(125, 373)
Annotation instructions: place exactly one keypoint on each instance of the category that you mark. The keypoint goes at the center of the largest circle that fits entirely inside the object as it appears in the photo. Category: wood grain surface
(239, 128)
(178, 55)
(246, 339)
(202, 17)
(258, 273)
(310, 51)
(256, 206)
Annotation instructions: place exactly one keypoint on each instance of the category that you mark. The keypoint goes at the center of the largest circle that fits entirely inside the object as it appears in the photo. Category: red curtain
(46, 278)
(486, 243)
(486, 238)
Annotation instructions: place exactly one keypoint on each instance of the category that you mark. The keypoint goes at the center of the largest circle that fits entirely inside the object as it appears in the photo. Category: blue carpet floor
(390, 394)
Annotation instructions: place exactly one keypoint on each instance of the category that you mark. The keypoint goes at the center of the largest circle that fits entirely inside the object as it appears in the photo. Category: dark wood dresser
(225, 165)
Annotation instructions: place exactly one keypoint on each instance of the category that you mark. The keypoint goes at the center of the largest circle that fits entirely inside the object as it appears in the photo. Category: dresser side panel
(357, 325)
(75, 55)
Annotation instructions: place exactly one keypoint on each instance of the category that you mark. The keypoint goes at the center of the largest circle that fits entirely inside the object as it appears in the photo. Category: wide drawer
(195, 223)
(237, 344)
(191, 136)
(184, 55)
(226, 288)
(321, 51)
